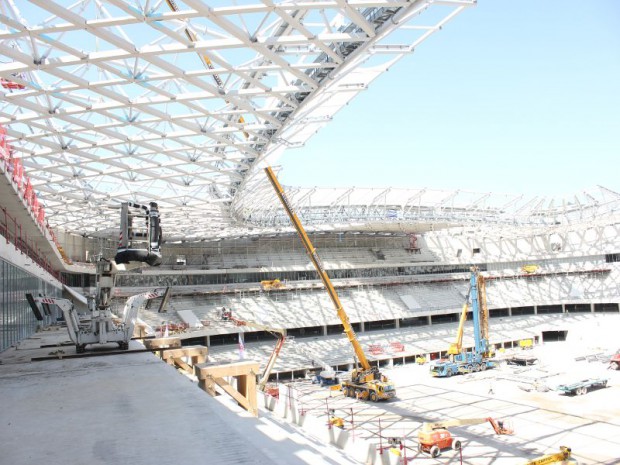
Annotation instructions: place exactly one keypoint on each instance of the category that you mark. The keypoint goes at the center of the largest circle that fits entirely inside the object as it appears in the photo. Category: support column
(397, 323)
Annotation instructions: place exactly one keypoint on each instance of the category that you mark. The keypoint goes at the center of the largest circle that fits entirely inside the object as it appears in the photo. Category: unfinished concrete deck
(131, 408)
(134, 408)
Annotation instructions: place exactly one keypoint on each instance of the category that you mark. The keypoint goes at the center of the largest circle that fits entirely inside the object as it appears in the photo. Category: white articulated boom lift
(433, 437)
(366, 382)
(103, 326)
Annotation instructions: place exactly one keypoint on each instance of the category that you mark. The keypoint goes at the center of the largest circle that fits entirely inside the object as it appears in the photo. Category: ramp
(410, 302)
(188, 317)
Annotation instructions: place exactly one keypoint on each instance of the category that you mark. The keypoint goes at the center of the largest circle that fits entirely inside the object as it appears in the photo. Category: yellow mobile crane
(366, 381)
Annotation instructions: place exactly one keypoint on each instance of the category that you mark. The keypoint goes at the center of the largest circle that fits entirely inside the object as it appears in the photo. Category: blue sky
(510, 97)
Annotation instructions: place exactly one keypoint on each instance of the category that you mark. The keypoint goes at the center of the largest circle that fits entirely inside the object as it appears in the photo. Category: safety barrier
(13, 233)
(14, 171)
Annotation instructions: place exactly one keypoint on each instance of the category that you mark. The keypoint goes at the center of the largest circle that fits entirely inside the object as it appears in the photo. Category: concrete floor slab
(134, 409)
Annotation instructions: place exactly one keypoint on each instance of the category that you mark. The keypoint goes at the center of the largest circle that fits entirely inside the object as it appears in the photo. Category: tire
(483, 366)
(434, 451)
(614, 365)
(80, 348)
(456, 444)
(476, 367)
(374, 397)
(448, 373)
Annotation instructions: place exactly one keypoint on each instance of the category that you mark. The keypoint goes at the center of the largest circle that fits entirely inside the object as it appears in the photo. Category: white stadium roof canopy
(184, 103)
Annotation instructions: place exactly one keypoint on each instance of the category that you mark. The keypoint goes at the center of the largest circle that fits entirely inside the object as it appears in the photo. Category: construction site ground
(542, 418)
(133, 408)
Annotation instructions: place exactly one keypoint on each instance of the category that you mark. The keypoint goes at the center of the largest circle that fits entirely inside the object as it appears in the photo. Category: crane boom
(318, 265)
(454, 422)
(457, 346)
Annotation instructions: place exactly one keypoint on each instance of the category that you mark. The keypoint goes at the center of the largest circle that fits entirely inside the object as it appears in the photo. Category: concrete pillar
(509, 311)
(592, 307)
(429, 321)
(324, 330)
(207, 341)
(362, 327)
(535, 309)
(397, 323)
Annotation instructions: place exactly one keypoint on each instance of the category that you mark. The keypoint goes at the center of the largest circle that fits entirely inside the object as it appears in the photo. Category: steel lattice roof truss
(420, 210)
(180, 101)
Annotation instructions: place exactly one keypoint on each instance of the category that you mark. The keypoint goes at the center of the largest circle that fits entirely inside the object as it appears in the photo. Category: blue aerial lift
(460, 360)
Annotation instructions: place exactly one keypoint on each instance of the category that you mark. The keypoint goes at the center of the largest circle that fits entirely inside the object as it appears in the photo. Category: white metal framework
(179, 102)
(421, 210)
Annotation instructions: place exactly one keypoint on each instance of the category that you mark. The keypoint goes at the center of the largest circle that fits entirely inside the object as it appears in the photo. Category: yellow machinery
(272, 284)
(336, 421)
(281, 335)
(529, 269)
(433, 437)
(457, 346)
(366, 382)
(564, 454)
